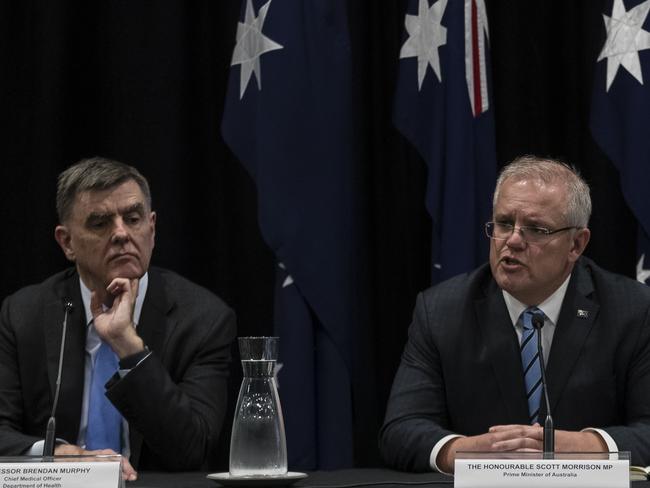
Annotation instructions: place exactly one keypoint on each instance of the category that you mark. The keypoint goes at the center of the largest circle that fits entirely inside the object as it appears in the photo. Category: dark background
(144, 82)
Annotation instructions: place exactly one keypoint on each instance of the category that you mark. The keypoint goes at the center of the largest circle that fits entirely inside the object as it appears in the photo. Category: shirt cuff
(130, 362)
(36, 449)
(436, 450)
(611, 444)
(38, 446)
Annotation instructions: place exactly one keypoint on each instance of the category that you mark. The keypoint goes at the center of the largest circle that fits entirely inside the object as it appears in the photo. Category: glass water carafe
(258, 446)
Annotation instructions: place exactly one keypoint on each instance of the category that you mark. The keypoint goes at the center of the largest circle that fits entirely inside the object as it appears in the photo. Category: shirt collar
(142, 290)
(551, 306)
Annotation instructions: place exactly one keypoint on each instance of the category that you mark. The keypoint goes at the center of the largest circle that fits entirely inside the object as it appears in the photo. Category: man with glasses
(470, 375)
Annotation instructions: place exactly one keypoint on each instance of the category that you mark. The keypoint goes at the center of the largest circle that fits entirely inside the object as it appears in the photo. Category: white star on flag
(625, 38)
(288, 281)
(426, 35)
(251, 44)
(641, 273)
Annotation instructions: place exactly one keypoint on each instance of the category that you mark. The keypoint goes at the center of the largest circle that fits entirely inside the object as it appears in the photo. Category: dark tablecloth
(347, 478)
(321, 479)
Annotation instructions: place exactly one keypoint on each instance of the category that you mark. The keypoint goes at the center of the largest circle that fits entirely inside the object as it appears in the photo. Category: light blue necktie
(104, 421)
(530, 363)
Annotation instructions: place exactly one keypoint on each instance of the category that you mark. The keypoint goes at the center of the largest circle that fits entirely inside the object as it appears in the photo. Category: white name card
(91, 474)
(562, 473)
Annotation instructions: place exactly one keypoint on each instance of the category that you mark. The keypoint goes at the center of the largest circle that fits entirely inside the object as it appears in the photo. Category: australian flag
(289, 119)
(443, 106)
(620, 111)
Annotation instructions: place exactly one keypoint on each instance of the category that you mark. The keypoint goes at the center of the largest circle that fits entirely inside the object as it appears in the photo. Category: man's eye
(132, 219)
(97, 224)
(540, 231)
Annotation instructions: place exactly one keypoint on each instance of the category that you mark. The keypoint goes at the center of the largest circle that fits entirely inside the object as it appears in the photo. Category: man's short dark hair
(94, 174)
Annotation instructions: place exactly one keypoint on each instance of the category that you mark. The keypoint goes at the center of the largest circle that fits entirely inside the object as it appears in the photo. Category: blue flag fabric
(443, 106)
(289, 119)
(620, 110)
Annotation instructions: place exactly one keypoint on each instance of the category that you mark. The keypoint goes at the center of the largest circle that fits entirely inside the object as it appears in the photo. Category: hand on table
(518, 438)
(128, 473)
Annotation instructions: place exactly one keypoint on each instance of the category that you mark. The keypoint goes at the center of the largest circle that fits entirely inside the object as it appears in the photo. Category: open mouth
(508, 261)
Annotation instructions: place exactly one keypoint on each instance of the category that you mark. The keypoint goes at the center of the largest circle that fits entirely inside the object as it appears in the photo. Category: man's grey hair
(94, 174)
(578, 209)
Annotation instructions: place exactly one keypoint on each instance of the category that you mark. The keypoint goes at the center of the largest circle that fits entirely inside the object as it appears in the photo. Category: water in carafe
(258, 445)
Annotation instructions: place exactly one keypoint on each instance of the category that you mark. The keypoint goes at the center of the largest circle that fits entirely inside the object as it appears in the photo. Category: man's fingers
(118, 286)
(67, 450)
(518, 444)
(134, 287)
(517, 430)
(501, 428)
(515, 437)
(121, 285)
(128, 473)
(95, 304)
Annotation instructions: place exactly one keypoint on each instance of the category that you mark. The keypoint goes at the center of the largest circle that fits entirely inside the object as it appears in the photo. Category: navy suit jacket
(461, 370)
(174, 401)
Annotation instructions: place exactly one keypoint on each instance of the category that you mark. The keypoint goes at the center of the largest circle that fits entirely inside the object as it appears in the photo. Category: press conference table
(322, 479)
(347, 478)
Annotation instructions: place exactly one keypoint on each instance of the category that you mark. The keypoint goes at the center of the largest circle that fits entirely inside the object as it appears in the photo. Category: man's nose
(516, 238)
(120, 231)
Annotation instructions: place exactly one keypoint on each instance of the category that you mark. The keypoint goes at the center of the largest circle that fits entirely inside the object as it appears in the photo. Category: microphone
(549, 431)
(50, 432)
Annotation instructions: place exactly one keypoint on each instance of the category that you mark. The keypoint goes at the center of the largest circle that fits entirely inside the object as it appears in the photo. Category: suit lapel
(576, 320)
(68, 412)
(153, 325)
(502, 348)
(153, 328)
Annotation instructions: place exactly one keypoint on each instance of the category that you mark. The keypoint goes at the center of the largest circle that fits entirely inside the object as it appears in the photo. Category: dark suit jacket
(174, 401)
(461, 368)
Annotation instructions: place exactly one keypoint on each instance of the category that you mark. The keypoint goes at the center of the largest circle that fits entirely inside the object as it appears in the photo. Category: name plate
(559, 473)
(89, 474)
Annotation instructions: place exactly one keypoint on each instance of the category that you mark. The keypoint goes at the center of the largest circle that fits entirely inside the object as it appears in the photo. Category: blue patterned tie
(104, 421)
(530, 363)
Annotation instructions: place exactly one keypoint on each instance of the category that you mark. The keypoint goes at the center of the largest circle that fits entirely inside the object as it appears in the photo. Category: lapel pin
(583, 314)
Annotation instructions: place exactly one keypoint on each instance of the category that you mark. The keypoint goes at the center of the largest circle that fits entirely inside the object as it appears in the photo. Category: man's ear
(152, 220)
(64, 238)
(580, 241)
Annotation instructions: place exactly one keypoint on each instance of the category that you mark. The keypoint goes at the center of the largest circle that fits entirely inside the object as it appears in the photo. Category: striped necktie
(530, 363)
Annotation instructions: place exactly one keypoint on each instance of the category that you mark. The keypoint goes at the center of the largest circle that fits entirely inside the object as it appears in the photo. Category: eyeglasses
(531, 234)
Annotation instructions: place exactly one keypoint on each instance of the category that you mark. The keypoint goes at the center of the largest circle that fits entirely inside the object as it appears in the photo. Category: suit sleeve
(12, 439)
(634, 435)
(177, 402)
(416, 415)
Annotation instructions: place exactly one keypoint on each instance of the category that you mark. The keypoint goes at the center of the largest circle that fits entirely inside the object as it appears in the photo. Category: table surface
(347, 478)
